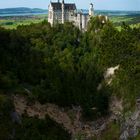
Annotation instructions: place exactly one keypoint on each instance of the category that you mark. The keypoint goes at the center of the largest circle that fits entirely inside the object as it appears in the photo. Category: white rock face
(108, 76)
(110, 73)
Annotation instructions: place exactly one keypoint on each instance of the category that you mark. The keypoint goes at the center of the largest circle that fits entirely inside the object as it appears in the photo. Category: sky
(81, 4)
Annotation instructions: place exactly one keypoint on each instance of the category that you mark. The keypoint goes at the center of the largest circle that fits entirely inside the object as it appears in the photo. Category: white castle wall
(60, 16)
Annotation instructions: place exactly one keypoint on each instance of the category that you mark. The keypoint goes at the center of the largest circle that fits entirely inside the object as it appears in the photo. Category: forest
(64, 66)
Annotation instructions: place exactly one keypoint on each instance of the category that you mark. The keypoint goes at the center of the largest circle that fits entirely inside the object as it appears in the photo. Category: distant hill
(114, 12)
(117, 13)
(30, 11)
(21, 10)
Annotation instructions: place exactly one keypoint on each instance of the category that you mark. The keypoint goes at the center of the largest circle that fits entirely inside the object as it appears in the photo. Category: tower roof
(56, 5)
(68, 6)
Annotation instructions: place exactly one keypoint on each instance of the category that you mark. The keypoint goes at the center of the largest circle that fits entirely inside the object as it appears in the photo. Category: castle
(61, 12)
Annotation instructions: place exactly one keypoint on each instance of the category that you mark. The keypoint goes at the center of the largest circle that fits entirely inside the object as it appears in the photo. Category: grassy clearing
(13, 22)
(133, 21)
(111, 133)
(116, 19)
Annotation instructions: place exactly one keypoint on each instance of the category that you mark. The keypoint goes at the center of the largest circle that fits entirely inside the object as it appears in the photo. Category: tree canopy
(64, 66)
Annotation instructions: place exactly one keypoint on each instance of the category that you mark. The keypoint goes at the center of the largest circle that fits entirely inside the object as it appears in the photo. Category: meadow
(11, 22)
(133, 21)
(128, 19)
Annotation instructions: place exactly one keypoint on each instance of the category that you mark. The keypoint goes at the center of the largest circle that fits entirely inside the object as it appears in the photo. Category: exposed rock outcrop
(109, 74)
(131, 124)
(69, 118)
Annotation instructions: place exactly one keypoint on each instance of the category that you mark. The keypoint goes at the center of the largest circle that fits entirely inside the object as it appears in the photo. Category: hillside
(59, 83)
(21, 10)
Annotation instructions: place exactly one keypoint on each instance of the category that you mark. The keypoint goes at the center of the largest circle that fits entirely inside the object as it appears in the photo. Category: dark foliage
(64, 66)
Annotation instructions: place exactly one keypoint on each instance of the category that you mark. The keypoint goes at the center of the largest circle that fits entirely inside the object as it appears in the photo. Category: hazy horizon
(79, 9)
(125, 5)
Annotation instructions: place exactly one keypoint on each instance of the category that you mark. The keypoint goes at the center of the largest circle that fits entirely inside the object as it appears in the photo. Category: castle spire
(91, 10)
(63, 12)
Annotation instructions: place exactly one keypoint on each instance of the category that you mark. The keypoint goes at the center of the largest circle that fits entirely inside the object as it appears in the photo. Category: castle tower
(63, 11)
(91, 10)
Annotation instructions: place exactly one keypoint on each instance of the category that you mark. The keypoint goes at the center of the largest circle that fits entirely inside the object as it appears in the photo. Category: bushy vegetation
(114, 47)
(55, 62)
(64, 66)
(15, 127)
(35, 129)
